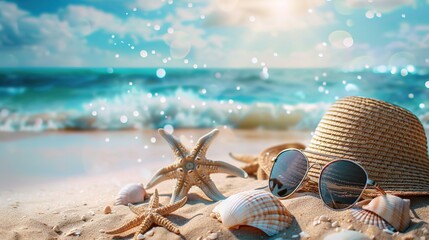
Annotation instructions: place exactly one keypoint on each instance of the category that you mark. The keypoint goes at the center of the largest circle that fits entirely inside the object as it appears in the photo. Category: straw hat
(388, 141)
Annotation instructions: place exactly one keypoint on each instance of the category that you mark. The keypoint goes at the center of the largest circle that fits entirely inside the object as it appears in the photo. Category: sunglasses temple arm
(376, 186)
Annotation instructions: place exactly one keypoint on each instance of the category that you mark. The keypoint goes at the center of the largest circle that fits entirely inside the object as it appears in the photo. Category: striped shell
(256, 208)
(393, 209)
(370, 218)
(131, 193)
(265, 157)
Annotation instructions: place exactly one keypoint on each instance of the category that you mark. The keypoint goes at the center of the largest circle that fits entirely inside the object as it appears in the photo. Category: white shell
(131, 193)
(256, 208)
(347, 235)
(371, 218)
(393, 209)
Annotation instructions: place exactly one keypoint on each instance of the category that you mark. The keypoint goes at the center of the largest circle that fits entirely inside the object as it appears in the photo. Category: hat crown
(387, 140)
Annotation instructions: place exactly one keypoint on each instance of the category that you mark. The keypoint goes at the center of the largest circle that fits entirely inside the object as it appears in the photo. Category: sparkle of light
(169, 129)
(123, 119)
(160, 73)
(143, 53)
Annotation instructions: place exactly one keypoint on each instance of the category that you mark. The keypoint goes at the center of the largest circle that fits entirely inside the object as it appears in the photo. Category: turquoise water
(115, 99)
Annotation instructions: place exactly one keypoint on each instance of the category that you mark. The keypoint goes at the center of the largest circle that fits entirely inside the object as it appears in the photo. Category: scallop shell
(370, 218)
(131, 193)
(256, 208)
(265, 157)
(393, 209)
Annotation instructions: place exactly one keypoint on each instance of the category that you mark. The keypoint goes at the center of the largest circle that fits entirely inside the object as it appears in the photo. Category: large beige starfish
(193, 168)
(151, 213)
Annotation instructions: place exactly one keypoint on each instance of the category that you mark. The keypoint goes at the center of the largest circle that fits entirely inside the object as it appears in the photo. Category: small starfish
(152, 214)
(193, 168)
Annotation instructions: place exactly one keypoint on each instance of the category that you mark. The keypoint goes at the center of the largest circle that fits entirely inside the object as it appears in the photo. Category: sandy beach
(73, 176)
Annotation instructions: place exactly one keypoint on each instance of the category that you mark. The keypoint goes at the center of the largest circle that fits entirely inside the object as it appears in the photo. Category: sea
(88, 99)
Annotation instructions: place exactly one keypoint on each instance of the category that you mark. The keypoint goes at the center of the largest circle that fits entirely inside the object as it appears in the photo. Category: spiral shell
(131, 193)
(393, 209)
(371, 218)
(256, 208)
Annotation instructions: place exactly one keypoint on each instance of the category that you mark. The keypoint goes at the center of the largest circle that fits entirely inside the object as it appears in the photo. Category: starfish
(151, 213)
(192, 168)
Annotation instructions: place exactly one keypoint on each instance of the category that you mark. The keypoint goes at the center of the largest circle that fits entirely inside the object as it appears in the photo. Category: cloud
(380, 5)
(62, 38)
(269, 15)
(149, 5)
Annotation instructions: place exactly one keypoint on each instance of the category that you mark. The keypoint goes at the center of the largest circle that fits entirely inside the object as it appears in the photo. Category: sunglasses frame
(309, 166)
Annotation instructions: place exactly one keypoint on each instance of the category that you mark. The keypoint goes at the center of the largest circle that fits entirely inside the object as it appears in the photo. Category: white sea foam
(183, 109)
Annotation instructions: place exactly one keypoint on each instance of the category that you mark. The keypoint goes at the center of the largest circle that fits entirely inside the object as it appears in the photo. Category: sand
(31, 210)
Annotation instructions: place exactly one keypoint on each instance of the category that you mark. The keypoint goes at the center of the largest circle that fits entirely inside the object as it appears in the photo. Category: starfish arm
(203, 144)
(179, 150)
(182, 187)
(164, 222)
(154, 200)
(163, 174)
(131, 224)
(148, 221)
(223, 167)
(172, 207)
(209, 188)
(261, 175)
(251, 168)
(138, 210)
(243, 158)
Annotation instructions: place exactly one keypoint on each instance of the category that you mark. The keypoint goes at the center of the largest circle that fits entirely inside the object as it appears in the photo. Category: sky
(348, 34)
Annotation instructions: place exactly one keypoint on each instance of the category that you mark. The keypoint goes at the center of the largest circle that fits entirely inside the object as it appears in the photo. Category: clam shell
(131, 193)
(265, 157)
(393, 209)
(256, 208)
(370, 218)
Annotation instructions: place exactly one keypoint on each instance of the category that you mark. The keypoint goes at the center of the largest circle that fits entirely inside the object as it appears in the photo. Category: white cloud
(269, 15)
(60, 39)
(380, 5)
(149, 5)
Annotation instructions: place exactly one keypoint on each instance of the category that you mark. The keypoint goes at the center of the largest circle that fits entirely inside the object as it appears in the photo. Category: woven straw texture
(388, 141)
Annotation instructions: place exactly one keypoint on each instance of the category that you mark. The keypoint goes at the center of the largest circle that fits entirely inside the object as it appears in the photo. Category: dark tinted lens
(287, 173)
(341, 184)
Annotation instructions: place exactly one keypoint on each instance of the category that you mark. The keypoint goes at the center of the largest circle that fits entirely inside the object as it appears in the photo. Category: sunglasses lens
(341, 184)
(287, 173)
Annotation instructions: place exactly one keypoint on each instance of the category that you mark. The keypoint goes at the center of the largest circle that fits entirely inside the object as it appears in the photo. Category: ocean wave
(182, 109)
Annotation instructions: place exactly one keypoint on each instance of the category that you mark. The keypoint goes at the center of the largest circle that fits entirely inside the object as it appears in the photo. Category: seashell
(370, 218)
(347, 235)
(131, 193)
(393, 209)
(256, 208)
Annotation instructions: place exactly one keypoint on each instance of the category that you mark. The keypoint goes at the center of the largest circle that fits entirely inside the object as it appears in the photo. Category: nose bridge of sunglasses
(315, 164)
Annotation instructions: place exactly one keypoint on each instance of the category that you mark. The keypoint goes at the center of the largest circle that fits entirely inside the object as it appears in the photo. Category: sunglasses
(341, 182)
